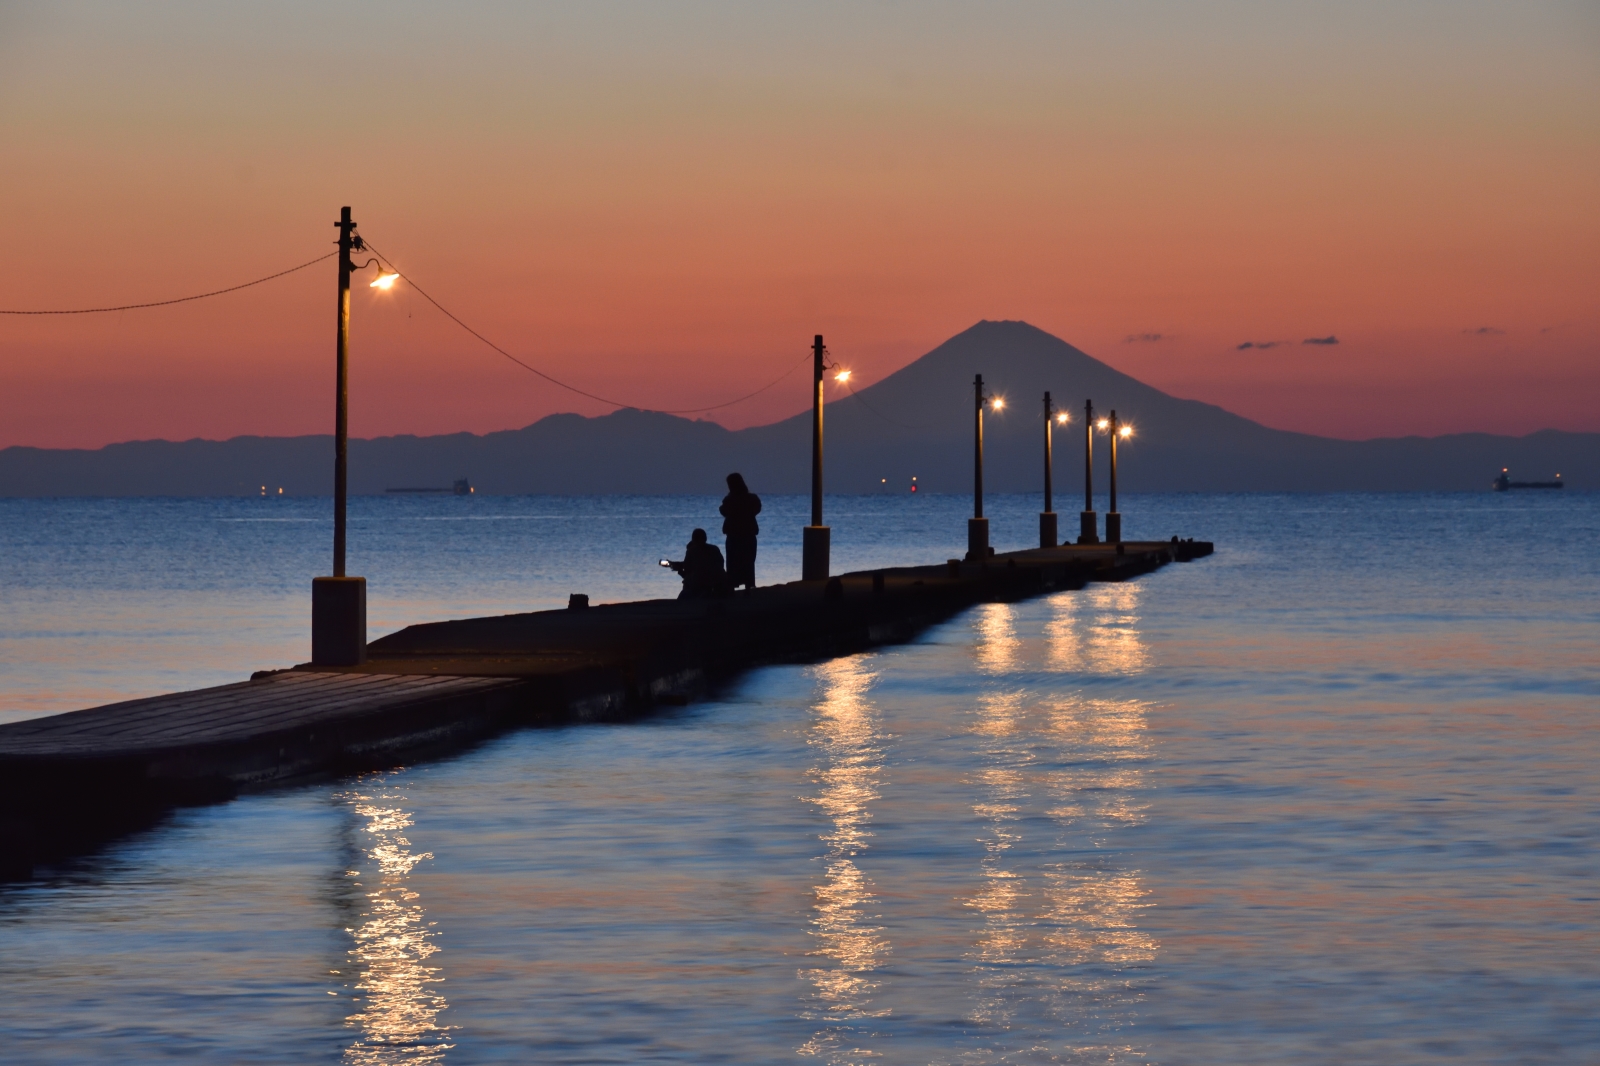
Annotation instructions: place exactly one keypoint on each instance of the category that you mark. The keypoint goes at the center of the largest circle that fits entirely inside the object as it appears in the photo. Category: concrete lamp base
(978, 539)
(814, 553)
(338, 621)
(1113, 527)
(1088, 527)
(1047, 529)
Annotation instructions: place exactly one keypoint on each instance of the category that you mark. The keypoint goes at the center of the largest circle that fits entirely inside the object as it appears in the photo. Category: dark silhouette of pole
(1049, 416)
(1047, 517)
(339, 603)
(1113, 516)
(977, 525)
(341, 415)
(977, 447)
(817, 351)
(814, 538)
(1088, 522)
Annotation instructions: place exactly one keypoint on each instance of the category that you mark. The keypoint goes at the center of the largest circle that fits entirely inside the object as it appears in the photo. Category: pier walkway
(71, 780)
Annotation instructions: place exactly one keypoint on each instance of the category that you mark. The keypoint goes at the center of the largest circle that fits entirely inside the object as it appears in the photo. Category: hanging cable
(854, 395)
(179, 300)
(387, 262)
(446, 312)
(804, 359)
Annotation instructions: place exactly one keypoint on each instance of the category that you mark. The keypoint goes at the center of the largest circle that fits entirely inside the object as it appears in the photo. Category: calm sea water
(1329, 796)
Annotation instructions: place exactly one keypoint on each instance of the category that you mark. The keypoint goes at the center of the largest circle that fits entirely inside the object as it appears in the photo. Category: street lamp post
(814, 538)
(1047, 517)
(339, 603)
(1088, 521)
(978, 526)
(1113, 516)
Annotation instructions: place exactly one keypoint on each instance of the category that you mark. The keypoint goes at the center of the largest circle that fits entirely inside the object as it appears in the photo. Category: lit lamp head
(385, 279)
(998, 403)
(842, 376)
(1125, 431)
(1062, 417)
(1103, 425)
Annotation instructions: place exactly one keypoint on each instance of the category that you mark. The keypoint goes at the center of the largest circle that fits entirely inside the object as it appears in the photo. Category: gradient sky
(663, 202)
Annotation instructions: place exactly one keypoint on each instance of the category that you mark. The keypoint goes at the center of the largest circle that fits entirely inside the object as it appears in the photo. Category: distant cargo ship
(1504, 482)
(462, 487)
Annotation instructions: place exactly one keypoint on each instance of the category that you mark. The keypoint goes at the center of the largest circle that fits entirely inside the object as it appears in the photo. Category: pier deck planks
(228, 713)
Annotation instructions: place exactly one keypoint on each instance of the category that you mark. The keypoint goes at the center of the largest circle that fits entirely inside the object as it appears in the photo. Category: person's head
(736, 483)
(697, 537)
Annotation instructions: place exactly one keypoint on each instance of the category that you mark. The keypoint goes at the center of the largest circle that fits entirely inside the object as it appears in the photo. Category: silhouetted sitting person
(739, 509)
(701, 569)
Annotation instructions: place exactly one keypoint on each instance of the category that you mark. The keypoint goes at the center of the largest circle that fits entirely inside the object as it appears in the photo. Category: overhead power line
(389, 264)
(179, 300)
(443, 310)
(854, 395)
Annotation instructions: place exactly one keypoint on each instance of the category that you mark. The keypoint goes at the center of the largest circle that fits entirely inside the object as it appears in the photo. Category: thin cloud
(1485, 331)
(1263, 345)
(1329, 339)
(1145, 338)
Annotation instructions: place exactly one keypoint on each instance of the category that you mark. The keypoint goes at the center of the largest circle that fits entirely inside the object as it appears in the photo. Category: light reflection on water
(849, 945)
(1097, 631)
(395, 986)
(1094, 899)
(1058, 955)
(1003, 896)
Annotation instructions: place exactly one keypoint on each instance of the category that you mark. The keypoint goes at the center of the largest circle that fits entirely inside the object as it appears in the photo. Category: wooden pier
(71, 781)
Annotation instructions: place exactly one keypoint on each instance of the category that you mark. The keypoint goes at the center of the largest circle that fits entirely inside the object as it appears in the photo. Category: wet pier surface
(71, 781)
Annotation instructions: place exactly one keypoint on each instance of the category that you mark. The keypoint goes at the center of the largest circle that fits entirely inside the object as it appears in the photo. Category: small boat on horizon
(1504, 482)
(460, 487)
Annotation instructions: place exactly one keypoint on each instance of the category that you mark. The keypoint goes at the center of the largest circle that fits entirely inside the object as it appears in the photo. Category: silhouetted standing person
(739, 509)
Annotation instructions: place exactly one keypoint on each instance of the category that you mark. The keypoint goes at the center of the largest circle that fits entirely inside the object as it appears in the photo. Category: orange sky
(662, 203)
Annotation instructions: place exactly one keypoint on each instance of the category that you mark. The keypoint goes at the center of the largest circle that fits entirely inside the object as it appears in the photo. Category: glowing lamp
(1125, 431)
(842, 376)
(384, 280)
(998, 403)
(1103, 425)
(1062, 418)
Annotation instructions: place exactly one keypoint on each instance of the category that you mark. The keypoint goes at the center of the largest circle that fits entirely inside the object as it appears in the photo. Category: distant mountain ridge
(916, 422)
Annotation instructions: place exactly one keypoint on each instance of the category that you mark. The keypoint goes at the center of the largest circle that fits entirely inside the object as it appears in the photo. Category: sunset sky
(662, 202)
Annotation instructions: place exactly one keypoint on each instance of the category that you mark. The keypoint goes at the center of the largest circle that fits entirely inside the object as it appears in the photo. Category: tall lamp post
(1113, 517)
(1047, 518)
(978, 526)
(814, 538)
(339, 603)
(1088, 521)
